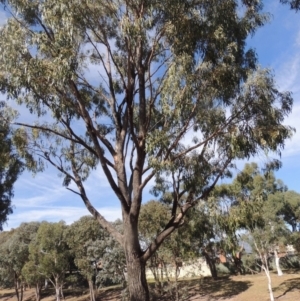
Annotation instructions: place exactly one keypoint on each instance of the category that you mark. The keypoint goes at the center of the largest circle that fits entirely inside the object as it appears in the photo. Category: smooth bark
(57, 293)
(92, 292)
(277, 259)
(38, 292)
(267, 272)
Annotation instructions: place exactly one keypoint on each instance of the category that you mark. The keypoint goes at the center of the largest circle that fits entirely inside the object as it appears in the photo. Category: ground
(233, 288)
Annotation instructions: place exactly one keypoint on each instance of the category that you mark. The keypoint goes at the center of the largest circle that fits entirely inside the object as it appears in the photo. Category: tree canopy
(10, 167)
(14, 250)
(50, 254)
(176, 98)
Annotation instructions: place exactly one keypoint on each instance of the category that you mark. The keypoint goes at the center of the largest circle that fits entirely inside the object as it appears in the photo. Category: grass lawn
(233, 288)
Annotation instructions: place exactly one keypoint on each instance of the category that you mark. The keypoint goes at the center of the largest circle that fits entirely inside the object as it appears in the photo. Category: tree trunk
(267, 272)
(57, 293)
(137, 283)
(211, 264)
(57, 290)
(135, 264)
(239, 265)
(61, 292)
(92, 292)
(279, 271)
(21, 288)
(176, 281)
(16, 286)
(38, 292)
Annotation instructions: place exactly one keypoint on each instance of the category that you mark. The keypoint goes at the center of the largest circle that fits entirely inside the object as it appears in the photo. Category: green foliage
(14, 252)
(211, 84)
(35, 252)
(31, 274)
(93, 249)
(252, 205)
(79, 236)
(250, 199)
(112, 258)
(10, 167)
(179, 97)
(294, 4)
(50, 254)
(182, 245)
(96, 254)
(290, 209)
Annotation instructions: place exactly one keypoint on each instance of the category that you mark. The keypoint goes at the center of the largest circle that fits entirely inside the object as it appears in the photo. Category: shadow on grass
(110, 294)
(289, 271)
(7, 295)
(82, 293)
(223, 287)
(288, 286)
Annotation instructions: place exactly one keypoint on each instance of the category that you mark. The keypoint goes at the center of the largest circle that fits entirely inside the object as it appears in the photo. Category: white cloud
(3, 18)
(54, 214)
(288, 72)
(292, 146)
(44, 198)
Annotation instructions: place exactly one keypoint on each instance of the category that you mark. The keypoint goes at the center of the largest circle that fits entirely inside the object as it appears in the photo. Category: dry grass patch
(234, 288)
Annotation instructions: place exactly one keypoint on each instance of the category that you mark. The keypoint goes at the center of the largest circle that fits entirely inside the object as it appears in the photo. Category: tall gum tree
(50, 254)
(175, 99)
(14, 252)
(10, 165)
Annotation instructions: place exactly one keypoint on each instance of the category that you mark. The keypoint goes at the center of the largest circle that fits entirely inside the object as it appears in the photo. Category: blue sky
(278, 46)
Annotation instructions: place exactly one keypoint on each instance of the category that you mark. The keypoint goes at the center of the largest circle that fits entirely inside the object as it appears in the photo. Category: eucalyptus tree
(10, 166)
(189, 242)
(15, 253)
(183, 245)
(154, 217)
(175, 98)
(265, 238)
(50, 254)
(240, 201)
(81, 236)
(294, 4)
(290, 209)
(112, 259)
(6, 277)
(253, 203)
(33, 277)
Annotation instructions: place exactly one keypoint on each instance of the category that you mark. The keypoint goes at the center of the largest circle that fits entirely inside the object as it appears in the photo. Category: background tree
(10, 167)
(294, 4)
(80, 236)
(251, 204)
(51, 255)
(5, 277)
(183, 245)
(291, 209)
(178, 99)
(33, 277)
(14, 254)
(111, 257)
(240, 202)
(205, 233)
(288, 207)
(154, 217)
(264, 241)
